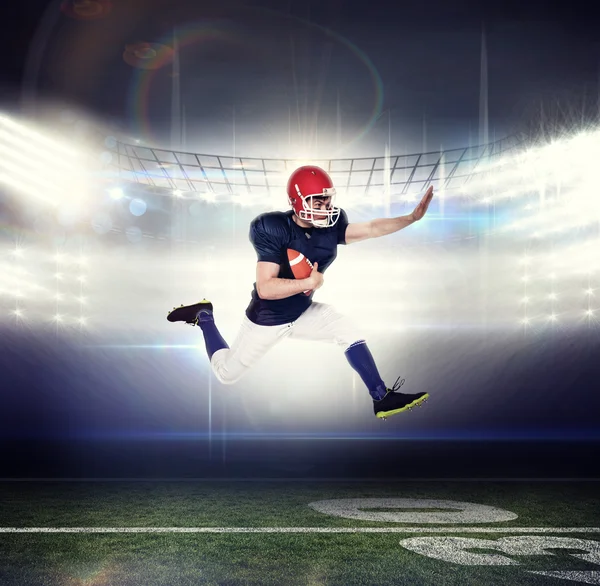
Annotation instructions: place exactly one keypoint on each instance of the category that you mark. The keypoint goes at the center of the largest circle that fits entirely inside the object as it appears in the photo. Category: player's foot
(394, 402)
(192, 314)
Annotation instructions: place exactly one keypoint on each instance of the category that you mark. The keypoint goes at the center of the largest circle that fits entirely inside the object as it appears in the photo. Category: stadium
(125, 461)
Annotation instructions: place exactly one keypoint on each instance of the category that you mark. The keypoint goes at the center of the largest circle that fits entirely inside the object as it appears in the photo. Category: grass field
(213, 532)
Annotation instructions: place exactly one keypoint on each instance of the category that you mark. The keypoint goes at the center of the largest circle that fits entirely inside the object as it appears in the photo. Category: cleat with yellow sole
(190, 314)
(394, 402)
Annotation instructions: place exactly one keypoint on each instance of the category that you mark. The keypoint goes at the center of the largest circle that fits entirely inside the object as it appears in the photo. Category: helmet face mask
(308, 186)
(320, 216)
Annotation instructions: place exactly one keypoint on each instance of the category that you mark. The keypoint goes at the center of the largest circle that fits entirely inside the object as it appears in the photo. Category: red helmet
(306, 182)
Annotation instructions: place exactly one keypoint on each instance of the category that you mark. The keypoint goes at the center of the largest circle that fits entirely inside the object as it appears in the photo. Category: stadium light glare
(209, 197)
(35, 164)
(18, 129)
(116, 193)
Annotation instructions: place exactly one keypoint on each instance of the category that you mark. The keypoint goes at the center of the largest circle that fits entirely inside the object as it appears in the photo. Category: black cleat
(395, 402)
(191, 313)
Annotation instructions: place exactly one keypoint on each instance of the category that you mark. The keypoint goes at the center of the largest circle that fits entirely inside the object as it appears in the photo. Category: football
(300, 265)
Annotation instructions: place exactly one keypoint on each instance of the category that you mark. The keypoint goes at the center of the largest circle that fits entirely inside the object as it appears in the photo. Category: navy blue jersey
(271, 235)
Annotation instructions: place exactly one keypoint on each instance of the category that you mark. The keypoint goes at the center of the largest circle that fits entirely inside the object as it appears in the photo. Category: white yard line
(505, 530)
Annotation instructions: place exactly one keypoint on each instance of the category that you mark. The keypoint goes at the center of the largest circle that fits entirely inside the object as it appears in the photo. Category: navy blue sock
(212, 338)
(360, 358)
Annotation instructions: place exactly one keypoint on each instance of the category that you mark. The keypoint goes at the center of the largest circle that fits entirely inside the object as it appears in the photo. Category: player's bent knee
(224, 376)
(224, 380)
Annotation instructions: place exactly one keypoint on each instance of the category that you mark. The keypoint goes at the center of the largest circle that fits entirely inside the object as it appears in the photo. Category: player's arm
(358, 231)
(269, 286)
(383, 226)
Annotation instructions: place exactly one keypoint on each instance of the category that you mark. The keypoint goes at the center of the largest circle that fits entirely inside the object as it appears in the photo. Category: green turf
(279, 559)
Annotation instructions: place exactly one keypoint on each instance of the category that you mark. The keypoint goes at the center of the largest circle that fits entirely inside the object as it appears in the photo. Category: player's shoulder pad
(271, 223)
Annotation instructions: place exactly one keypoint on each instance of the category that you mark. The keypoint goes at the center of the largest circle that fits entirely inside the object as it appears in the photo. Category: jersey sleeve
(266, 240)
(341, 225)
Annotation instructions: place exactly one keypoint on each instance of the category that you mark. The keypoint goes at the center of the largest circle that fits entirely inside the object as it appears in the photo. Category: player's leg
(322, 322)
(251, 344)
(201, 314)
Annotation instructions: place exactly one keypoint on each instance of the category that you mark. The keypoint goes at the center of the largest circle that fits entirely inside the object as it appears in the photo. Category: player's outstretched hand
(420, 210)
(316, 278)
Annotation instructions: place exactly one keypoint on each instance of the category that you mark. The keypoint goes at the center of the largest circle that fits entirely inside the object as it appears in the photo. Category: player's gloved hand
(315, 280)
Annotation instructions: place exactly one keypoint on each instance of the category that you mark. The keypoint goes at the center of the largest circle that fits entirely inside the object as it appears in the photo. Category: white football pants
(320, 322)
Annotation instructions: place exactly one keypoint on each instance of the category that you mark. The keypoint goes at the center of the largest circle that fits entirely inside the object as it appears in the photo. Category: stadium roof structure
(225, 176)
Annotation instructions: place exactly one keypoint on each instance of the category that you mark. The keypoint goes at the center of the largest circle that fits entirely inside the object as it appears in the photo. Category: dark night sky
(427, 54)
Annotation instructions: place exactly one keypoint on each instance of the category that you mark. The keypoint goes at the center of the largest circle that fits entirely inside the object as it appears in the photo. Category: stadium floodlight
(40, 282)
(39, 166)
(22, 131)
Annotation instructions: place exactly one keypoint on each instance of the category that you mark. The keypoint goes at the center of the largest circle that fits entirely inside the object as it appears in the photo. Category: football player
(283, 307)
